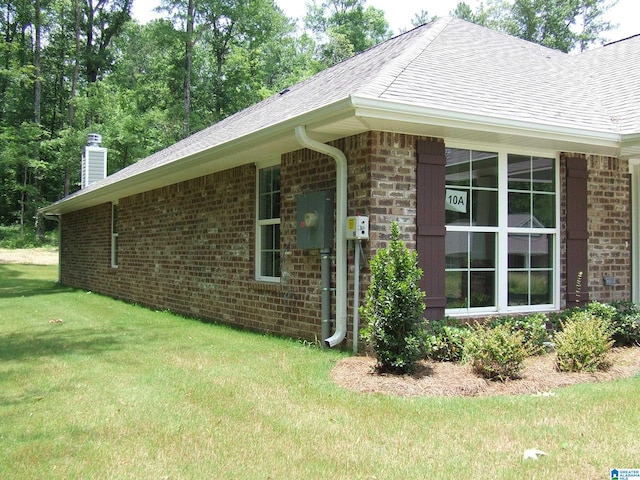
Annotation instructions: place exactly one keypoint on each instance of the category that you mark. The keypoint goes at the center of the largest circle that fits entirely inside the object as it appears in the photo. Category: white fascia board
(631, 139)
(367, 107)
(630, 147)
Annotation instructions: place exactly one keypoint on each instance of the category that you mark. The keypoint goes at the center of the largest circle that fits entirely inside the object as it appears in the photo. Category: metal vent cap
(94, 139)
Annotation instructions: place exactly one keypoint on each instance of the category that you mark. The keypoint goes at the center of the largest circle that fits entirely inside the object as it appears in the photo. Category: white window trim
(502, 260)
(634, 170)
(259, 223)
(114, 237)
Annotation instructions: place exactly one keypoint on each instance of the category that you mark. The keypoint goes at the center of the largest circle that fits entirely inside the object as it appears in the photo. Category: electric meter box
(314, 220)
(357, 228)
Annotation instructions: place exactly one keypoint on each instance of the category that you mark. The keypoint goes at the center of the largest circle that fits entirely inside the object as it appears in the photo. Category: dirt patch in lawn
(30, 256)
(446, 379)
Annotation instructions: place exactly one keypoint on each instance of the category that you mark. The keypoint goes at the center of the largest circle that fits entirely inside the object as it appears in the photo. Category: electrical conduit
(356, 294)
(341, 236)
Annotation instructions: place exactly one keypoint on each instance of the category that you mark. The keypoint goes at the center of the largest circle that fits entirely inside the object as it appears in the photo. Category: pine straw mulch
(446, 379)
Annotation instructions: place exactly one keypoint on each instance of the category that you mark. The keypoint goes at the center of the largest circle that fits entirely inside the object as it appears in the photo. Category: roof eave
(450, 124)
(630, 145)
(350, 116)
(233, 153)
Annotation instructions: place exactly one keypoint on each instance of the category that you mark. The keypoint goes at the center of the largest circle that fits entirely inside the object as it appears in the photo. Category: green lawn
(117, 391)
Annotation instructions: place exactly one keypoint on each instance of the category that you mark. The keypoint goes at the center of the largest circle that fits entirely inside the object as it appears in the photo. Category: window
(268, 224)
(501, 231)
(114, 235)
(531, 229)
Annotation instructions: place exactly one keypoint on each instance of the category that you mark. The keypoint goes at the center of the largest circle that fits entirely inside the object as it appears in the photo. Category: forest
(73, 67)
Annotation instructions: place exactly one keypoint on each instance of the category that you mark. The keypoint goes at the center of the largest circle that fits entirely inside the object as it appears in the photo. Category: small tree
(393, 308)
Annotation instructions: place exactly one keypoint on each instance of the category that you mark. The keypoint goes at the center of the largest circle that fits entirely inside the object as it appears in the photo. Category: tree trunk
(37, 93)
(188, 68)
(74, 87)
(37, 96)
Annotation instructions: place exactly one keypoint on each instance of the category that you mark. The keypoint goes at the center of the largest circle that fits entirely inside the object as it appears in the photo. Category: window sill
(261, 285)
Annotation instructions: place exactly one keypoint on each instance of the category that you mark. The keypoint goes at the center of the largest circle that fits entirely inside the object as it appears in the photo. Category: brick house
(513, 170)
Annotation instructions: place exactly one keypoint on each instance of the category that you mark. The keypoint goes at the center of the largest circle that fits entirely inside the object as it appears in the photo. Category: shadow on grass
(16, 282)
(57, 342)
(32, 350)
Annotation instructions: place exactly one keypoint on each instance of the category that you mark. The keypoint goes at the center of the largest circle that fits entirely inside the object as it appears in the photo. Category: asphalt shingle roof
(479, 71)
(613, 74)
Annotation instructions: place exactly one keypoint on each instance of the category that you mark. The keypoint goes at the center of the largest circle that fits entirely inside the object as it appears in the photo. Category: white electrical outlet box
(357, 228)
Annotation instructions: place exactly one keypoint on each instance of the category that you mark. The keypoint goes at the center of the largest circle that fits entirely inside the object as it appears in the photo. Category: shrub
(446, 340)
(625, 324)
(13, 237)
(393, 308)
(533, 328)
(602, 310)
(583, 343)
(496, 353)
(557, 319)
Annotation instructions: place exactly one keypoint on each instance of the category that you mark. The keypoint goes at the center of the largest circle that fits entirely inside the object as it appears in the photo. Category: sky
(399, 13)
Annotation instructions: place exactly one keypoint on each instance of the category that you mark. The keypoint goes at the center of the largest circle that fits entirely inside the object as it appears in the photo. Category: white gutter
(341, 236)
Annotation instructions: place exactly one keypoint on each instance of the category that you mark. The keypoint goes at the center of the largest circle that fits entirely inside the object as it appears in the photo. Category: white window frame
(503, 231)
(634, 170)
(114, 234)
(260, 223)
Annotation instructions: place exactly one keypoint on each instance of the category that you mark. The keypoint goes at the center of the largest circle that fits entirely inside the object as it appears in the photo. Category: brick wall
(85, 248)
(609, 214)
(393, 187)
(188, 247)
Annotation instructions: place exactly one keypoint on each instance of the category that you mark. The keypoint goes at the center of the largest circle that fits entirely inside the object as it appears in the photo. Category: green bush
(496, 353)
(625, 324)
(533, 328)
(604, 311)
(13, 237)
(446, 340)
(583, 343)
(557, 319)
(622, 319)
(393, 308)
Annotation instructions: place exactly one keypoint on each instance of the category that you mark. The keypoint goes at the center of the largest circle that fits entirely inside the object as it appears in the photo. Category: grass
(117, 391)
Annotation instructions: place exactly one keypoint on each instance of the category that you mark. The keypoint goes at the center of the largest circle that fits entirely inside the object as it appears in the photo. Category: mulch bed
(446, 379)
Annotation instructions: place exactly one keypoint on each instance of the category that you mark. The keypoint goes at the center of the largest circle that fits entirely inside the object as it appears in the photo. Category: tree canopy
(565, 25)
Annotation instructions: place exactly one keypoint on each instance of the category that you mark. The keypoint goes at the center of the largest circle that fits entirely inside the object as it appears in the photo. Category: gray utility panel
(314, 220)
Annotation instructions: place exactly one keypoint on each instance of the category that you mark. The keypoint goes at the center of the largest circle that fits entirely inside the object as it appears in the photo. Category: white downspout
(341, 236)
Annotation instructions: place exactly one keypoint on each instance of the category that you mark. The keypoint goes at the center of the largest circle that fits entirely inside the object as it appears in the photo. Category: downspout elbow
(341, 237)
